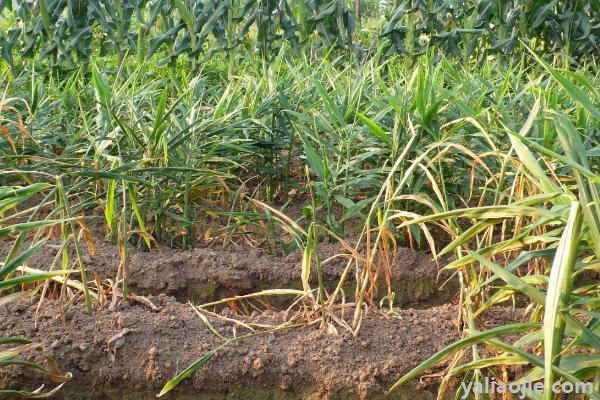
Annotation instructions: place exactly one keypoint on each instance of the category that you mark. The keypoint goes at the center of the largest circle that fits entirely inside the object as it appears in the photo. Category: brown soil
(205, 274)
(296, 363)
(130, 351)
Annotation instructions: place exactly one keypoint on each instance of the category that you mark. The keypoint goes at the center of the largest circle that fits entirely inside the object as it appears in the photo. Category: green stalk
(187, 237)
(559, 290)
(523, 19)
(188, 19)
(302, 18)
(315, 239)
(141, 45)
(63, 199)
(123, 242)
(409, 41)
(231, 35)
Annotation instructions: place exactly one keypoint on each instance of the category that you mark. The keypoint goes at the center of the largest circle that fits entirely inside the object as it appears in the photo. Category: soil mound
(131, 351)
(207, 274)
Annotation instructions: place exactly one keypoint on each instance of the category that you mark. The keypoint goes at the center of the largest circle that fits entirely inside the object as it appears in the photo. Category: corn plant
(180, 26)
(474, 28)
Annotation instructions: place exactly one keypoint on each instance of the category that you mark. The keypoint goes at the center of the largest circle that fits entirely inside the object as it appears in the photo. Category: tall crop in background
(71, 32)
(478, 28)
